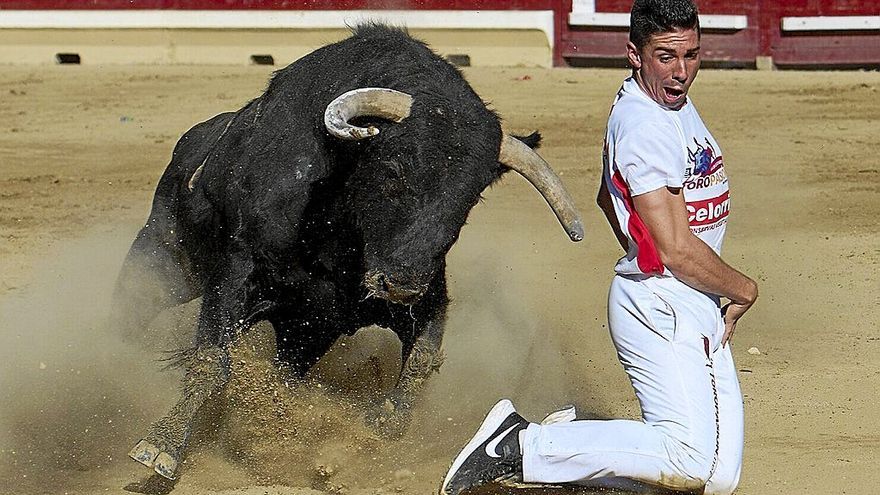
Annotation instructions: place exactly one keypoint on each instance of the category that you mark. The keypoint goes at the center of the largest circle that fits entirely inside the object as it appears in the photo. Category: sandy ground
(82, 148)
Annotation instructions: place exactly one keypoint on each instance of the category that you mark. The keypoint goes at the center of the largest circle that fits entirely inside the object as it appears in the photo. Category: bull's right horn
(522, 159)
(375, 102)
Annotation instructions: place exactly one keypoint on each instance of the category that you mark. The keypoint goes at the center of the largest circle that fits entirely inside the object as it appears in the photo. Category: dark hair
(649, 17)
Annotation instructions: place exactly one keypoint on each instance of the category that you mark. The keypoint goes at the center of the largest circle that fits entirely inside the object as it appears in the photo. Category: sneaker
(492, 455)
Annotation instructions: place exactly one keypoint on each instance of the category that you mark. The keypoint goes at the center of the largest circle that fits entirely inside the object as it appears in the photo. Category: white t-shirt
(647, 147)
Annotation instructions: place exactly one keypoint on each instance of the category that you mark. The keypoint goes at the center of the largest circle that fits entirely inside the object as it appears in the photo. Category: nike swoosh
(491, 446)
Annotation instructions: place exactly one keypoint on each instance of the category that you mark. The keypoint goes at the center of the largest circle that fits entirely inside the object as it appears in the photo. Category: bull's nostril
(382, 282)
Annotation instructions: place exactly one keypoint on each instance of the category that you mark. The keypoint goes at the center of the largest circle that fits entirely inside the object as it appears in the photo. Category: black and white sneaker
(493, 454)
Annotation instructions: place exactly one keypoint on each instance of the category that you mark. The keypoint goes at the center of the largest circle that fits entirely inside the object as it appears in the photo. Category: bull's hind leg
(156, 275)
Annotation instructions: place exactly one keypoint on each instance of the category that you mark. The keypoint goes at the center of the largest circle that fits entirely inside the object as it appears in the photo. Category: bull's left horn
(375, 102)
(523, 160)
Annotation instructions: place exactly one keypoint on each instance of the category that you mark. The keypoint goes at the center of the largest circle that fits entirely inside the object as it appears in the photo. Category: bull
(324, 205)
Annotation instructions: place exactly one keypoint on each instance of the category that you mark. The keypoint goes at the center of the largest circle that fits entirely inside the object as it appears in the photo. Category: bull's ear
(533, 140)
(364, 102)
(519, 157)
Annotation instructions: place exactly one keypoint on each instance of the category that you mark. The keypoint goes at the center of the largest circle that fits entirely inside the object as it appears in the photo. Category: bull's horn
(522, 159)
(376, 102)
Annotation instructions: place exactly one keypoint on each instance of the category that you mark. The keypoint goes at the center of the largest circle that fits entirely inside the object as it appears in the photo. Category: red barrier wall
(585, 45)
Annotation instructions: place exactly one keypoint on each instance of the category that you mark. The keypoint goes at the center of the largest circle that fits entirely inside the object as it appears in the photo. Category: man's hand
(691, 260)
(732, 313)
(734, 310)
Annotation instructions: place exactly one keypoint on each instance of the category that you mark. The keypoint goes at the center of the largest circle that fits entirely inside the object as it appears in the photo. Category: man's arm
(603, 199)
(691, 260)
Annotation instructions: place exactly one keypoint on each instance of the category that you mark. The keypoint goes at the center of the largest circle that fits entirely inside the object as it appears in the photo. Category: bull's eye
(395, 178)
(394, 167)
(394, 187)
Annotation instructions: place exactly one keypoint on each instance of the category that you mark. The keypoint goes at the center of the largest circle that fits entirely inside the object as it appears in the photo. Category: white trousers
(668, 338)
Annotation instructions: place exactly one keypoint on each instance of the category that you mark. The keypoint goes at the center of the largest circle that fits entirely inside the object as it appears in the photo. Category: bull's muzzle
(383, 286)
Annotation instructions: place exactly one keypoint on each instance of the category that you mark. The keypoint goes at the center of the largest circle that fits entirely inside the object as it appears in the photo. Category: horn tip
(576, 231)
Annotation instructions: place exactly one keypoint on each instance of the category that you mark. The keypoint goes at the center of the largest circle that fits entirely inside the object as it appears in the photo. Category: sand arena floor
(81, 149)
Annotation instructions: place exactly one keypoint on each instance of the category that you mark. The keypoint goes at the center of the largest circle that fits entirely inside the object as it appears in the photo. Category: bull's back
(190, 153)
(374, 56)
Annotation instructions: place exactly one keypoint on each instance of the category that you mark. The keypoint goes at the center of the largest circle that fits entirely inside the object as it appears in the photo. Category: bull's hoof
(165, 465)
(153, 457)
(387, 420)
(145, 453)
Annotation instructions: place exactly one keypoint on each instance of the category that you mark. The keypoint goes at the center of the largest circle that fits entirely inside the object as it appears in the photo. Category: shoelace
(504, 472)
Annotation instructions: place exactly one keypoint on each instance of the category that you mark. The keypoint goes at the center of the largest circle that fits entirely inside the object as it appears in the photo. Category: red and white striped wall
(784, 33)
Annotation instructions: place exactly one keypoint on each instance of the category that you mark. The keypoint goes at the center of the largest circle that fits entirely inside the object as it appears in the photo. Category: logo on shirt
(708, 211)
(705, 168)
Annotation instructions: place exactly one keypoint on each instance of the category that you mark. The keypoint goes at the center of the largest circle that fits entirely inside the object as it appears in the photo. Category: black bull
(324, 205)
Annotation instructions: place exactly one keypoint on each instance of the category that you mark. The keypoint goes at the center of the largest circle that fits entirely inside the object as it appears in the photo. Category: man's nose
(679, 72)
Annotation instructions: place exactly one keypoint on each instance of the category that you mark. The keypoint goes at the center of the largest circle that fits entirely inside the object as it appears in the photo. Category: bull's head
(414, 200)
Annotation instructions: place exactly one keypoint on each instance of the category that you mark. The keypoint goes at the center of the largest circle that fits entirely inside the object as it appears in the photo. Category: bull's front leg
(227, 309)
(421, 357)
(206, 371)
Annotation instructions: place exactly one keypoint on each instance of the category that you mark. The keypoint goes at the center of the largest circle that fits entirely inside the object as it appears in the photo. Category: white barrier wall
(482, 38)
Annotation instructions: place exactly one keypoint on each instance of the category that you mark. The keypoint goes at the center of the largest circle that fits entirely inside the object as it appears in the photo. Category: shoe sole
(501, 410)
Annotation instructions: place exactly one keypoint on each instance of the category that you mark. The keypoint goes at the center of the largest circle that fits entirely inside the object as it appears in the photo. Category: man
(665, 193)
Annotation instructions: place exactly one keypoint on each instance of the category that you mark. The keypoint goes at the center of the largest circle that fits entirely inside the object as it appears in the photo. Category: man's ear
(632, 54)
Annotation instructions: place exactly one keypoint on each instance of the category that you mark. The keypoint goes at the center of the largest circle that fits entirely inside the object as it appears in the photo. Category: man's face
(667, 65)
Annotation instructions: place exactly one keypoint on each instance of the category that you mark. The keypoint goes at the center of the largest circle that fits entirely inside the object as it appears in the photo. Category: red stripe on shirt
(647, 257)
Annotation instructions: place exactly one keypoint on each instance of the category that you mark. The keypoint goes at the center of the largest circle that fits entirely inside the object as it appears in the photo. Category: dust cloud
(78, 396)
(72, 389)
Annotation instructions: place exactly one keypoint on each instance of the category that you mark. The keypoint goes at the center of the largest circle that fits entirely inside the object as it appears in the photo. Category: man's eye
(665, 60)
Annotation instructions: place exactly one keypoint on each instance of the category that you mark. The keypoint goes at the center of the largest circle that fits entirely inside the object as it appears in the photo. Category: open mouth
(673, 94)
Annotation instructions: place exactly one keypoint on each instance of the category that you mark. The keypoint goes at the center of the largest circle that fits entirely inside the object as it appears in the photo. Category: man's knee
(698, 468)
(693, 466)
(723, 481)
